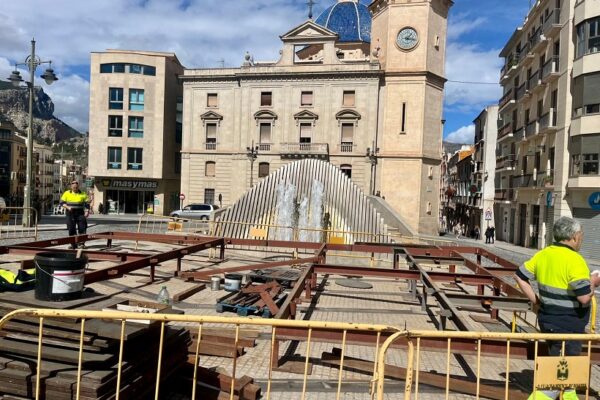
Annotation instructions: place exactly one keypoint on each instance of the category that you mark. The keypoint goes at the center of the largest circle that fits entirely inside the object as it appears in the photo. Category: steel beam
(495, 302)
(285, 311)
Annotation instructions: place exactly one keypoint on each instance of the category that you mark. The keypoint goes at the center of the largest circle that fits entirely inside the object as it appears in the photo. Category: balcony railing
(503, 194)
(511, 62)
(548, 121)
(210, 145)
(531, 129)
(536, 39)
(346, 147)
(264, 146)
(534, 80)
(505, 130)
(508, 96)
(295, 149)
(524, 52)
(519, 133)
(522, 181)
(506, 162)
(552, 23)
(550, 69)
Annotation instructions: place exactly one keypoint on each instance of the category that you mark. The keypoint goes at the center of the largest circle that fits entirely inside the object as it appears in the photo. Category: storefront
(586, 210)
(129, 196)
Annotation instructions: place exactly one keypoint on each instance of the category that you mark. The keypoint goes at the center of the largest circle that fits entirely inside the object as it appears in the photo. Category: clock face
(407, 38)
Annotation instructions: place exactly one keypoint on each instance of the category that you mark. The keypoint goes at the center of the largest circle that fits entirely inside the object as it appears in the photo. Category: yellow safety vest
(77, 201)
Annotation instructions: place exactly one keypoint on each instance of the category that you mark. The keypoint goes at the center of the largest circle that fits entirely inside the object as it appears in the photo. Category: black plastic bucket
(233, 282)
(59, 276)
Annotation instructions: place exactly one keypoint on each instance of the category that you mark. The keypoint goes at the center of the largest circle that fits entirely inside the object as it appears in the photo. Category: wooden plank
(51, 353)
(208, 339)
(215, 349)
(184, 294)
(457, 385)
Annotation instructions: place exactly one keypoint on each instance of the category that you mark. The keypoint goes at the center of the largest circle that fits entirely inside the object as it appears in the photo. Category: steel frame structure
(499, 296)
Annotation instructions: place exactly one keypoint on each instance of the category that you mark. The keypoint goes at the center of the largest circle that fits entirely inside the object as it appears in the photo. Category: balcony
(346, 147)
(537, 40)
(210, 145)
(548, 121)
(506, 163)
(550, 70)
(264, 146)
(552, 24)
(305, 150)
(508, 98)
(525, 54)
(503, 195)
(522, 181)
(532, 129)
(505, 132)
(534, 83)
(510, 67)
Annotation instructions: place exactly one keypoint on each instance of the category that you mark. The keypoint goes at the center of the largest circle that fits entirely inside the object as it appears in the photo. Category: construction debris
(263, 300)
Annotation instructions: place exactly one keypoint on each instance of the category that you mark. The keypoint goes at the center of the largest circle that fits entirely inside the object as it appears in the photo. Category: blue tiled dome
(351, 20)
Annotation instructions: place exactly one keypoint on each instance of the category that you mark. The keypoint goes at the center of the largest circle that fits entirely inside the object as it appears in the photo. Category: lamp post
(31, 62)
(252, 153)
(372, 153)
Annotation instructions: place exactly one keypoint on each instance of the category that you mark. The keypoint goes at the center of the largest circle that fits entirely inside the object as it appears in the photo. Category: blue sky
(203, 32)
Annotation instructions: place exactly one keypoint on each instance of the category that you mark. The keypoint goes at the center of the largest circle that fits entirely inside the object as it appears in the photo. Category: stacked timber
(60, 354)
(220, 342)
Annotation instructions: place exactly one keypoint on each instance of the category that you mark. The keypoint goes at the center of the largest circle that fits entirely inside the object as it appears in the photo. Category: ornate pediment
(265, 114)
(211, 115)
(305, 114)
(347, 114)
(309, 30)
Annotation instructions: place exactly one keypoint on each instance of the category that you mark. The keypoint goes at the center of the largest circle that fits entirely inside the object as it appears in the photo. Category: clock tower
(408, 38)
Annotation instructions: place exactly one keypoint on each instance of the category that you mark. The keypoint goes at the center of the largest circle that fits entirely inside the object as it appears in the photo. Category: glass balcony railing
(508, 96)
(550, 68)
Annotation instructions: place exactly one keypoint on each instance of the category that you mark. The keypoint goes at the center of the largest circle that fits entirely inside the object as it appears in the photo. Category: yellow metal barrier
(12, 225)
(545, 369)
(196, 323)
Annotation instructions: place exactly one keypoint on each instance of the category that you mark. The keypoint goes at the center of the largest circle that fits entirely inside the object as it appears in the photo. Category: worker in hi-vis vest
(565, 289)
(77, 207)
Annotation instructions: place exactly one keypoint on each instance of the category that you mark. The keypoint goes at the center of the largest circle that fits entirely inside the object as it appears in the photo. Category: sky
(209, 33)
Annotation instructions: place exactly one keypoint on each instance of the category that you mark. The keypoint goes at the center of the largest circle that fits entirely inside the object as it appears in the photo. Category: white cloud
(70, 96)
(467, 63)
(465, 134)
(462, 23)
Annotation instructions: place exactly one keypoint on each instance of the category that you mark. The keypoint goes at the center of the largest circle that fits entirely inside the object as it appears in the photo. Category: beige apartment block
(135, 131)
(13, 155)
(43, 176)
(549, 134)
(371, 107)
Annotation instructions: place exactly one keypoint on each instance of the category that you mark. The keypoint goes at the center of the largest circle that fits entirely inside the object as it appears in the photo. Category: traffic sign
(181, 196)
(488, 214)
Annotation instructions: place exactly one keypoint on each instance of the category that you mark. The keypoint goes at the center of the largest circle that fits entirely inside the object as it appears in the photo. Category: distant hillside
(14, 106)
(451, 148)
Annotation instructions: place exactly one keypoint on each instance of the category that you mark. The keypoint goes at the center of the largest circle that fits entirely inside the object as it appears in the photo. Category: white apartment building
(484, 166)
(549, 138)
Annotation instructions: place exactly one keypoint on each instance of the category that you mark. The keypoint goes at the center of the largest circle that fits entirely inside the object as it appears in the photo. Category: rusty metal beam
(92, 255)
(150, 261)
(285, 311)
(205, 274)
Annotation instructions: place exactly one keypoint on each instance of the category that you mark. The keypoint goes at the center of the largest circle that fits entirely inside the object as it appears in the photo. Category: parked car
(195, 211)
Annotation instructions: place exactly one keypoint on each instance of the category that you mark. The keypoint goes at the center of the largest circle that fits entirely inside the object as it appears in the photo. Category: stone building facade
(369, 102)
(549, 137)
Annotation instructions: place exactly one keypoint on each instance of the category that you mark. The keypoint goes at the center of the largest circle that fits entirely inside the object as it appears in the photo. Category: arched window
(263, 169)
(346, 170)
(209, 168)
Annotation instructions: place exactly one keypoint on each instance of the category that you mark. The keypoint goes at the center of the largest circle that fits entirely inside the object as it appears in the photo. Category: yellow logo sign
(556, 373)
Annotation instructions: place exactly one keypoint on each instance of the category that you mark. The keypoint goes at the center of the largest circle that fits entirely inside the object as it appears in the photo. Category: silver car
(195, 211)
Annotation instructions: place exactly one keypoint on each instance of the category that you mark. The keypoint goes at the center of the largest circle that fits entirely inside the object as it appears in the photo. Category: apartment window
(135, 69)
(306, 132)
(134, 158)
(265, 132)
(348, 99)
(306, 99)
(347, 134)
(209, 168)
(263, 169)
(115, 125)
(112, 68)
(588, 37)
(266, 99)
(403, 119)
(212, 100)
(540, 108)
(115, 101)
(148, 70)
(590, 164)
(586, 94)
(346, 170)
(114, 157)
(136, 127)
(211, 133)
(136, 99)
(179, 120)
(592, 109)
(209, 196)
(551, 154)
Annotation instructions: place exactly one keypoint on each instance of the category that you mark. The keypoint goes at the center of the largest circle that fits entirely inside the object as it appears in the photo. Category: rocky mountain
(451, 148)
(14, 106)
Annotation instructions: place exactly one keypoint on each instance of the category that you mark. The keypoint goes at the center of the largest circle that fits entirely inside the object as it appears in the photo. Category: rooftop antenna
(310, 3)
(221, 62)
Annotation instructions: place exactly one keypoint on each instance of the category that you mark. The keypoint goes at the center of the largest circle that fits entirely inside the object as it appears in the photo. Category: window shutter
(347, 133)
(211, 131)
(305, 131)
(265, 133)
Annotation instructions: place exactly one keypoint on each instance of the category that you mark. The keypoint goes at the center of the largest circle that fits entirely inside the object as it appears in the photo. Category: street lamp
(372, 153)
(252, 153)
(31, 62)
